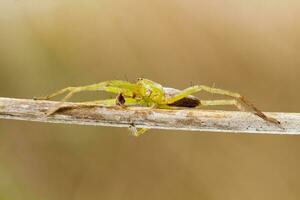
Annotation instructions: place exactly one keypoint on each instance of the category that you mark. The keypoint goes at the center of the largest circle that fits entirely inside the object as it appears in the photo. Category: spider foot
(136, 132)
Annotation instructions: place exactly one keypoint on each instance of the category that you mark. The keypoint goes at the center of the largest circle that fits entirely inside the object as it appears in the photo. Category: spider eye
(139, 79)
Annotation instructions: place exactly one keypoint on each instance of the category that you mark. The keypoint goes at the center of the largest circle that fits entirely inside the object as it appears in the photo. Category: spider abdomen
(189, 101)
(186, 102)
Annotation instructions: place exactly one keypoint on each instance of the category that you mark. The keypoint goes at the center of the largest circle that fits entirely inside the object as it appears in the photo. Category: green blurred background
(247, 46)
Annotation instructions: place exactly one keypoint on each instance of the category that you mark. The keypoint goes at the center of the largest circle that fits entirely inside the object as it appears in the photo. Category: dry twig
(145, 117)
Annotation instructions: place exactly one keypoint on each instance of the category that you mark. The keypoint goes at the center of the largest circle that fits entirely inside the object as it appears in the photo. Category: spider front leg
(237, 96)
(50, 96)
(114, 86)
(113, 102)
(71, 91)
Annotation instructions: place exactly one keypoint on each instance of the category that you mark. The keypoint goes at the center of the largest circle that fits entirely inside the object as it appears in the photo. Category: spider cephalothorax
(150, 91)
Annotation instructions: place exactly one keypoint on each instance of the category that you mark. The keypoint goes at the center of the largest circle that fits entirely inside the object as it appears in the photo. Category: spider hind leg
(188, 91)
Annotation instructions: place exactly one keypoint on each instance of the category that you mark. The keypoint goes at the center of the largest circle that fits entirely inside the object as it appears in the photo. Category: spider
(145, 92)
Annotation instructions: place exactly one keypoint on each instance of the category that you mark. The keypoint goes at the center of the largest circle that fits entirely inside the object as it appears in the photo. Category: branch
(145, 117)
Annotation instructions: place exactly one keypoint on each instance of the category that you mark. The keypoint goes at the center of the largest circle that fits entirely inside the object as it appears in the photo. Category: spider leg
(68, 89)
(114, 86)
(197, 88)
(234, 102)
(137, 132)
(112, 102)
(237, 96)
(105, 102)
(225, 102)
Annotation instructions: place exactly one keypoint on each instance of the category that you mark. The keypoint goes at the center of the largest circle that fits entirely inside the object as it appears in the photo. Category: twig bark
(144, 117)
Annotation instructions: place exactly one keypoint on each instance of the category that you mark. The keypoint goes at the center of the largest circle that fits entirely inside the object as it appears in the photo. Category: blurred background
(247, 46)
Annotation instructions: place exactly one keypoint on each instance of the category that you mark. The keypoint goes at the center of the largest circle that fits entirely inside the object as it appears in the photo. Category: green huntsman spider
(149, 93)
